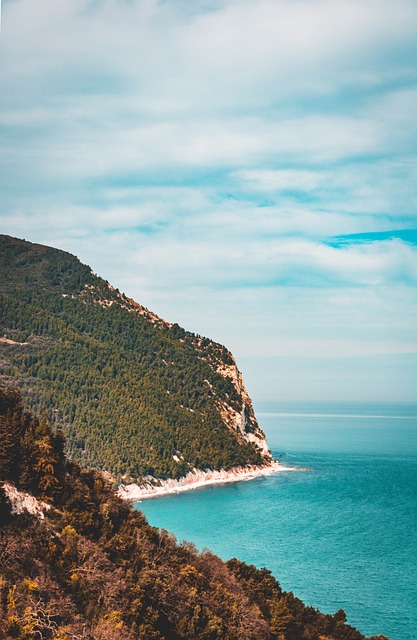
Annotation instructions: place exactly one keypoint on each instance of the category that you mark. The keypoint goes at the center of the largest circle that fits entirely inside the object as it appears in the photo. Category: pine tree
(10, 435)
(5, 507)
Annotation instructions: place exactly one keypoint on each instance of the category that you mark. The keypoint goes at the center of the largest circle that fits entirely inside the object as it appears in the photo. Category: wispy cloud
(202, 156)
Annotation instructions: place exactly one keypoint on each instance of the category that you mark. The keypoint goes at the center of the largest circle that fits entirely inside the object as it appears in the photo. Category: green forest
(133, 394)
(91, 567)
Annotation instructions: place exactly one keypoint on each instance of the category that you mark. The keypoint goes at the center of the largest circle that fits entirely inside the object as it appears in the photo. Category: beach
(197, 479)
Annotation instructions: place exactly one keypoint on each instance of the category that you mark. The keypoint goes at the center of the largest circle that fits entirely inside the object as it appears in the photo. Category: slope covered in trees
(86, 566)
(132, 393)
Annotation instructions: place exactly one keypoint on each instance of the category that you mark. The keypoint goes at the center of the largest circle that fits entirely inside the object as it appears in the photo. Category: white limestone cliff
(244, 421)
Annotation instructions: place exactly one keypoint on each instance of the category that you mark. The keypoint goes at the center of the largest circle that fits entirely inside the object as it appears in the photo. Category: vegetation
(93, 569)
(133, 394)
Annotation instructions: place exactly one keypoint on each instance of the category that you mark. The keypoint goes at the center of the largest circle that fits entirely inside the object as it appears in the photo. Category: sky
(246, 168)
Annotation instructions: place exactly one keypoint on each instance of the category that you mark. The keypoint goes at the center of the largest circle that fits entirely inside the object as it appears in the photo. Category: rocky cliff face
(243, 422)
(134, 394)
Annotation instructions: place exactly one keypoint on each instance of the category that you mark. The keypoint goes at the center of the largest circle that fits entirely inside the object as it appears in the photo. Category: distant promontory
(136, 396)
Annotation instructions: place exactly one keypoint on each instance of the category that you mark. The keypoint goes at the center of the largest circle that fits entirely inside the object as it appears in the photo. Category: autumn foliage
(93, 569)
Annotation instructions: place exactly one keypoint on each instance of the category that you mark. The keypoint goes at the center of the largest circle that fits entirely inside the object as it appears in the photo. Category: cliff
(135, 395)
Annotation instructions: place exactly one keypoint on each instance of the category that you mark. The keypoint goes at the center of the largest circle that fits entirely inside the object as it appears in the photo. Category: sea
(340, 535)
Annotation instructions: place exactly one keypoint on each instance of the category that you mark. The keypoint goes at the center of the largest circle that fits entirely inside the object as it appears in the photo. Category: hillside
(77, 563)
(134, 395)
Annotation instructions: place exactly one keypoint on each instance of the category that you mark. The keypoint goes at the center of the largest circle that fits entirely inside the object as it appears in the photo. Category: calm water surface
(341, 536)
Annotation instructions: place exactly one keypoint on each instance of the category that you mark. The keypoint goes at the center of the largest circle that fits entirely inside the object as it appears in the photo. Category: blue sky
(245, 168)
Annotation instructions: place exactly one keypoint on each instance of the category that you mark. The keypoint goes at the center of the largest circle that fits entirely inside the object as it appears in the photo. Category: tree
(5, 506)
(11, 422)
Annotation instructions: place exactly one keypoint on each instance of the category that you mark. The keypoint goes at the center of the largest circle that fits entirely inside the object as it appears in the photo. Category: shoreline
(197, 479)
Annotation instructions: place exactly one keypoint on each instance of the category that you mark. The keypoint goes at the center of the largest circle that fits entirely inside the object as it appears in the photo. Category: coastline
(197, 479)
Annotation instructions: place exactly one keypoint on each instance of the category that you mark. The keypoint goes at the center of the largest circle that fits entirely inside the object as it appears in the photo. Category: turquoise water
(343, 535)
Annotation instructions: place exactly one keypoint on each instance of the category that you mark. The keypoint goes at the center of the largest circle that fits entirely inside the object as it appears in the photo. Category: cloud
(200, 156)
(234, 46)
(145, 87)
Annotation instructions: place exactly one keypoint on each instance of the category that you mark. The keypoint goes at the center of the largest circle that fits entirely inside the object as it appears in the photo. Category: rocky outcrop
(22, 501)
(244, 421)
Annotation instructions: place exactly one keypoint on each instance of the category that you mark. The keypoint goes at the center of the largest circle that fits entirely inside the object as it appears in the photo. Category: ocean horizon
(343, 535)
